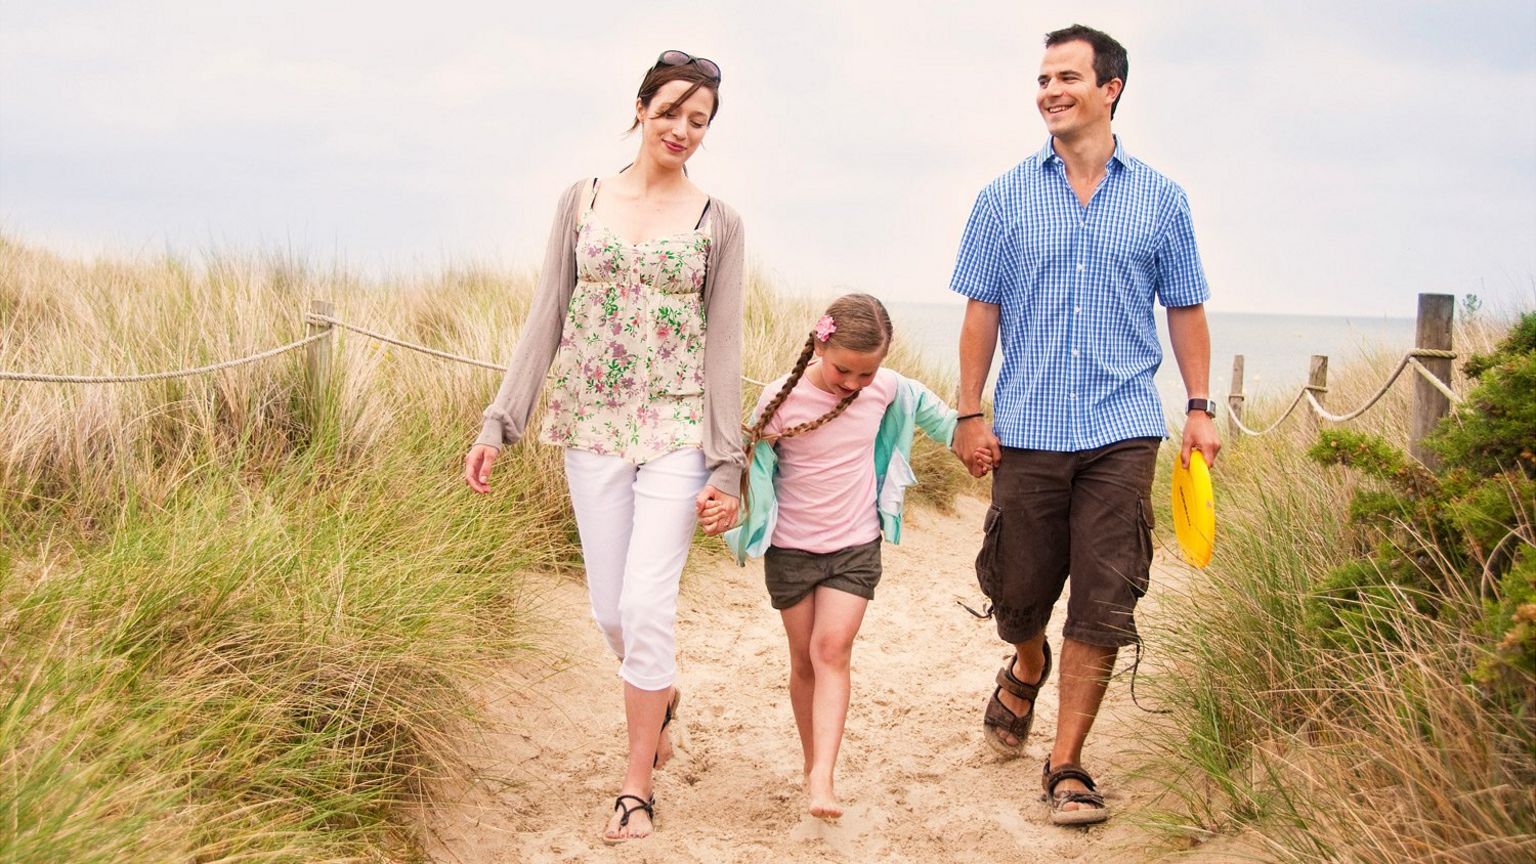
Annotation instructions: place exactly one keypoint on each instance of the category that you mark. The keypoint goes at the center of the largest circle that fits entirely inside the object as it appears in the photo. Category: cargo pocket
(986, 559)
(1142, 566)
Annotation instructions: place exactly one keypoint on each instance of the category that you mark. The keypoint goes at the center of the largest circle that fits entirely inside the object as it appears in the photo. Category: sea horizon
(1277, 348)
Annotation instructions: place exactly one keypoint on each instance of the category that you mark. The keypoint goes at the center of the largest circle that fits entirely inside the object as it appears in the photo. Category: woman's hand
(717, 510)
(477, 466)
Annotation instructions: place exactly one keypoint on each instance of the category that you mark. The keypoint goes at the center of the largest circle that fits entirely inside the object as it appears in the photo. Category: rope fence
(431, 352)
(1409, 361)
(1430, 361)
(312, 318)
(161, 376)
(1432, 397)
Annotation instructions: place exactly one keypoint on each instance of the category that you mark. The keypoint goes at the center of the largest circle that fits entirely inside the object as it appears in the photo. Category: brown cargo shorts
(1084, 517)
(791, 573)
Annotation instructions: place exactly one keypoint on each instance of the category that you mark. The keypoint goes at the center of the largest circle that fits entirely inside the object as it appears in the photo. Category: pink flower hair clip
(825, 328)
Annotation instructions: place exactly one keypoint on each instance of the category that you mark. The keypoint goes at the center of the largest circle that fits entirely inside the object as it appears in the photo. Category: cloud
(1338, 158)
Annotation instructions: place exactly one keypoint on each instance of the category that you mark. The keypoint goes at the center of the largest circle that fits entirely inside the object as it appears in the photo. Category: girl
(646, 406)
(830, 461)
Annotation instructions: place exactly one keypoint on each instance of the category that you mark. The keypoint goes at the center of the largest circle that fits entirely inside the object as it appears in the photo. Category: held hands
(976, 446)
(716, 510)
(1199, 434)
(477, 467)
(982, 460)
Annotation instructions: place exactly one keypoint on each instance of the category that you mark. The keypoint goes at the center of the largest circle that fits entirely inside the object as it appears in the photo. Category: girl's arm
(932, 414)
(723, 304)
(506, 418)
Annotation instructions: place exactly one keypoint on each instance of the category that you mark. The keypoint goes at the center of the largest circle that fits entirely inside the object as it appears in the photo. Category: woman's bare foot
(631, 819)
(824, 804)
(664, 750)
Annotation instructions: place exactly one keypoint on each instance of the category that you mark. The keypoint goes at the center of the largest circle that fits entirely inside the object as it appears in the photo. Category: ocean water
(1277, 349)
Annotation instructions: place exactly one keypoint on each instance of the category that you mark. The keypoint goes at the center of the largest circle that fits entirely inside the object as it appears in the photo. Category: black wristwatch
(1205, 405)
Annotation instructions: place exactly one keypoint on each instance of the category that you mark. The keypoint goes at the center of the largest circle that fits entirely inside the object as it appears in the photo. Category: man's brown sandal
(626, 811)
(999, 719)
(1096, 811)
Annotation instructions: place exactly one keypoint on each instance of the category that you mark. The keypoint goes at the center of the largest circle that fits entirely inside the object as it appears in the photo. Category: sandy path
(917, 780)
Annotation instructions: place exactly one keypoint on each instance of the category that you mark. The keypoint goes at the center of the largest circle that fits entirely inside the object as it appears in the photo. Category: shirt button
(1080, 268)
(1077, 309)
(1071, 395)
(1074, 352)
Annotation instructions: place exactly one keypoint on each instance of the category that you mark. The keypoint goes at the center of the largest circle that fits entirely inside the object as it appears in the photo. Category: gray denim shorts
(791, 574)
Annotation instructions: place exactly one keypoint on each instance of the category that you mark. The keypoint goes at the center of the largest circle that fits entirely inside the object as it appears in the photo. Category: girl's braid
(807, 426)
(755, 433)
(864, 326)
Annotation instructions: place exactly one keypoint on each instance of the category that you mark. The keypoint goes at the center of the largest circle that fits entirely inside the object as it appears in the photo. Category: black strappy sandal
(672, 706)
(627, 811)
(998, 719)
(1096, 812)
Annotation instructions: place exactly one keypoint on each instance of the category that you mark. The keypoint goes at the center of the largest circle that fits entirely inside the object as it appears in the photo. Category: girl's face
(842, 372)
(671, 137)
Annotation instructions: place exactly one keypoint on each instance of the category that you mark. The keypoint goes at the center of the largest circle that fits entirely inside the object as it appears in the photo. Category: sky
(1339, 158)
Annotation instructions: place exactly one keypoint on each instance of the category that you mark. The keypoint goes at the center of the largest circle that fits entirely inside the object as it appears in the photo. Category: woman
(638, 308)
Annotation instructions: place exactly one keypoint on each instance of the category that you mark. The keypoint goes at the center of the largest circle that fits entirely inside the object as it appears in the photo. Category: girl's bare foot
(824, 804)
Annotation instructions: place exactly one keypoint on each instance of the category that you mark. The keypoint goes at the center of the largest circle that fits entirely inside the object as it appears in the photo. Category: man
(1066, 254)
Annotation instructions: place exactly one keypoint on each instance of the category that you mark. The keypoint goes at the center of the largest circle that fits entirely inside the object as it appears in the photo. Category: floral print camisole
(628, 377)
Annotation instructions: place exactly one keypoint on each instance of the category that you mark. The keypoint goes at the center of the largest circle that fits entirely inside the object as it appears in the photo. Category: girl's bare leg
(836, 621)
(799, 621)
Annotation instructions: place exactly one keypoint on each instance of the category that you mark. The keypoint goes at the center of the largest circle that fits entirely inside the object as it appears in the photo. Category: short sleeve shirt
(826, 482)
(1077, 288)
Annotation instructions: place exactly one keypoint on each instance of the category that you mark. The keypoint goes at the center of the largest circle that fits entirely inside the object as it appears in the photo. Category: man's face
(1069, 100)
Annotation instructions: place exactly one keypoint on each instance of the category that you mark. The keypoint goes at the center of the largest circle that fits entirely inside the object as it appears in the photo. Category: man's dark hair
(1109, 61)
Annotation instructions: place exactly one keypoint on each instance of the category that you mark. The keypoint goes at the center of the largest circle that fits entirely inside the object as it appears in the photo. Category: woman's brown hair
(660, 75)
(862, 325)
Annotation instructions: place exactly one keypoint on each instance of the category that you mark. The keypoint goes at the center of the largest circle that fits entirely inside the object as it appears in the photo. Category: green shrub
(1363, 689)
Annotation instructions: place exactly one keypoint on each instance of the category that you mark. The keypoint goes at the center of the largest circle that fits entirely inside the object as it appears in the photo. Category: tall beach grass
(227, 634)
(1378, 750)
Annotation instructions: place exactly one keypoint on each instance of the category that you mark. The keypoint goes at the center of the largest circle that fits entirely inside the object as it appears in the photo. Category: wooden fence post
(1317, 382)
(317, 368)
(1429, 404)
(1235, 398)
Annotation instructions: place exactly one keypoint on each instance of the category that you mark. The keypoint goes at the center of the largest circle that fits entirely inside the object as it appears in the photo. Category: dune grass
(228, 633)
(1375, 748)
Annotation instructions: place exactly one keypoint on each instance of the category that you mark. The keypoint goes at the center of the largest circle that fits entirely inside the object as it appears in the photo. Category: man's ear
(1112, 89)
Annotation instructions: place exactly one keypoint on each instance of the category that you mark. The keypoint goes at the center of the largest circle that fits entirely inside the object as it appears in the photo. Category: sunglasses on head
(683, 58)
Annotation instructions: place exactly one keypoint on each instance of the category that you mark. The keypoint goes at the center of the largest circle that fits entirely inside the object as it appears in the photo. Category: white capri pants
(636, 524)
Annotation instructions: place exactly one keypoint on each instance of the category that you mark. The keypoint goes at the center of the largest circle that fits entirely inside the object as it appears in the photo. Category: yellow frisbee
(1194, 509)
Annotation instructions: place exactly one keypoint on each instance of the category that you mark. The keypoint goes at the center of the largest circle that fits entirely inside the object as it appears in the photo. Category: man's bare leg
(1085, 671)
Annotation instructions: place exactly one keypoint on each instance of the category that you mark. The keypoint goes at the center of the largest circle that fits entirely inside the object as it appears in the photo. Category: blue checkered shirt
(1076, 286)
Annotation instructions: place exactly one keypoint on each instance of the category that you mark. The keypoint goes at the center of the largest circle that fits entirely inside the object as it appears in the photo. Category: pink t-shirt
(826, 480)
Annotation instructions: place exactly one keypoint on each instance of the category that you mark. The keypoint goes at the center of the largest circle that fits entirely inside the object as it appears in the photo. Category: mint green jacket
(915, 406)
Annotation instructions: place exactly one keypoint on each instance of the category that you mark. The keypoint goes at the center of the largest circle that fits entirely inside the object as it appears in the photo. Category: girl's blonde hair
(862, 325)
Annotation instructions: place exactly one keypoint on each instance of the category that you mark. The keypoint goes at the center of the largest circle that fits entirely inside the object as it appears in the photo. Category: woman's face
(672, 132)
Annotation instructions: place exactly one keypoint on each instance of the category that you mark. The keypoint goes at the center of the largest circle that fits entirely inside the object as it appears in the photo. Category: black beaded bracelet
(969, 416)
